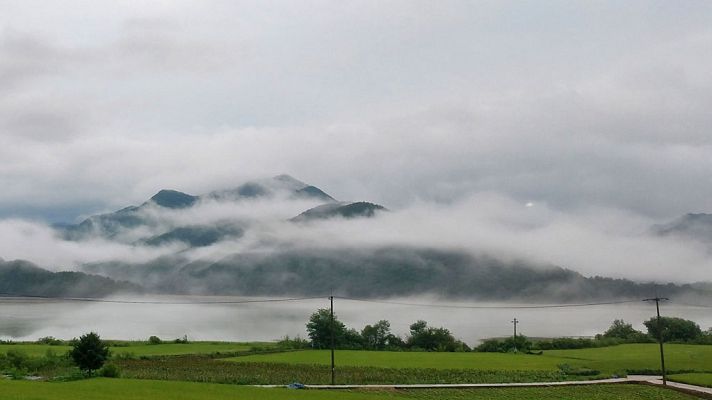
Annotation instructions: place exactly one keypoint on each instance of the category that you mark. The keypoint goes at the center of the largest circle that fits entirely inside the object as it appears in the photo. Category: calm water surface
(32, 319)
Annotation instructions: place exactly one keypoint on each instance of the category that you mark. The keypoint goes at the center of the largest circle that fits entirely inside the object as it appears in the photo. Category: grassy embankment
(695, 378)
(120, 389)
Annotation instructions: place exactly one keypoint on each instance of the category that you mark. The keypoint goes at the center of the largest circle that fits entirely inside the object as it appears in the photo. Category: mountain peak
(173, 199)
(359, 209)
(289, 182)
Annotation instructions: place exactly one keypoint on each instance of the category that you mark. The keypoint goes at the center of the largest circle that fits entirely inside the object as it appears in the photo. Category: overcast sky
(567, 104)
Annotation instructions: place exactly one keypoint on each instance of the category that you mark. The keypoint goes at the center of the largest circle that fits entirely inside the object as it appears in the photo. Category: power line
(433, 305)
(693, 305)
(97, 300)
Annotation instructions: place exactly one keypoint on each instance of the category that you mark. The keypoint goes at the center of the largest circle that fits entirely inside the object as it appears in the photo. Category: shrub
(110, 371)
(50, 341)
(154, 340)
(294, 343)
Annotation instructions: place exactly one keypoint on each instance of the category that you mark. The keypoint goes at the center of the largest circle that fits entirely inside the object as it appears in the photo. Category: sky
(569, 104)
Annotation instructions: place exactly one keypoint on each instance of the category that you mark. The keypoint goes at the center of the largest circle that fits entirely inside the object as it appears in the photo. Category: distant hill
(383, 273)
(696, 226)
(344, 210)
(196, 235)
(24, 278)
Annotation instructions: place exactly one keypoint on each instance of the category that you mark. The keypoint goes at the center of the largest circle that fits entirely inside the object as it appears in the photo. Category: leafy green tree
(433, 339)
(376, 336)
(319, 329)
(674, 329)
(89, 352)
(622, 330)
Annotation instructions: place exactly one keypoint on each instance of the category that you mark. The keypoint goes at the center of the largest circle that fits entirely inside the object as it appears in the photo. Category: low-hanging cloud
(595, 241)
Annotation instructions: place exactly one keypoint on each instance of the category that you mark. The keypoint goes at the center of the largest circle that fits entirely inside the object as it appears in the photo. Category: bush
(50, 341)
(183, 340)
(294, 343)
(110, 371)
(503, 346)
(154, 340)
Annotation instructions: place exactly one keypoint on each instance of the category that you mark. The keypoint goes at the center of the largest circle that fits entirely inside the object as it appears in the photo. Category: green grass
(699, 379)
(33, 350)
(608, 360)
(120, 389)
(143, 349)
(637, 357)
(593, 392)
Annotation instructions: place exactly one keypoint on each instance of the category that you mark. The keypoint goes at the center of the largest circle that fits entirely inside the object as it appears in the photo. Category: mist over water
(22, 319)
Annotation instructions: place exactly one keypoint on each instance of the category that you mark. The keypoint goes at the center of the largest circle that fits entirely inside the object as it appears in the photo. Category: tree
(375, 337)
(319, 329)
(622, 330)
(433, 339)
(674, 329)
(89, 352)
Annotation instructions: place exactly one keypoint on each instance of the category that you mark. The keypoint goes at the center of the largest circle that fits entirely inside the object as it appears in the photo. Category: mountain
(313, 192)
(380, 273)
(344, 210)
(126, 225)
(174, 199)
(24, 278)
(695, 226)
(271, 187)
(196, 235)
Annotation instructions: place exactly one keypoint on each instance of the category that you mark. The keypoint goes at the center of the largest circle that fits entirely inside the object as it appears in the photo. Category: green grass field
(608, 360)
(699, 379)
(120, 389)
(144, 349)
(678, 357)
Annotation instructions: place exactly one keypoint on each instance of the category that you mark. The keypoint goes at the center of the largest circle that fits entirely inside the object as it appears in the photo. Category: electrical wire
(399, 303)
(97, 300)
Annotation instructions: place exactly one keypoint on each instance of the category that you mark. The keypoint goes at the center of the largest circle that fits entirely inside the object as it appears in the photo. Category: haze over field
(496, 135)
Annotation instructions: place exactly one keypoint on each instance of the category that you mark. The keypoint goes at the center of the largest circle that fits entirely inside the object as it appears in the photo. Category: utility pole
(515, 321)
(657, 301)
(333, 380)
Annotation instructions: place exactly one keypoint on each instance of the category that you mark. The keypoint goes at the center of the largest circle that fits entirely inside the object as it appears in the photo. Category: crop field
(207, 369)
(120, 389)
(639, 357)
(144, 349)
(699, 379)
(607, 360)
(394, 359)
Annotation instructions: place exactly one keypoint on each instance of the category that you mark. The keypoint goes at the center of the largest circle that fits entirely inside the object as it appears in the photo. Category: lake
(29, 319)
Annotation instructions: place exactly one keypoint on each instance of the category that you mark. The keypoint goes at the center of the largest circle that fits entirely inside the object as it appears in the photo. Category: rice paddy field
(121, 389)
(632, 358)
